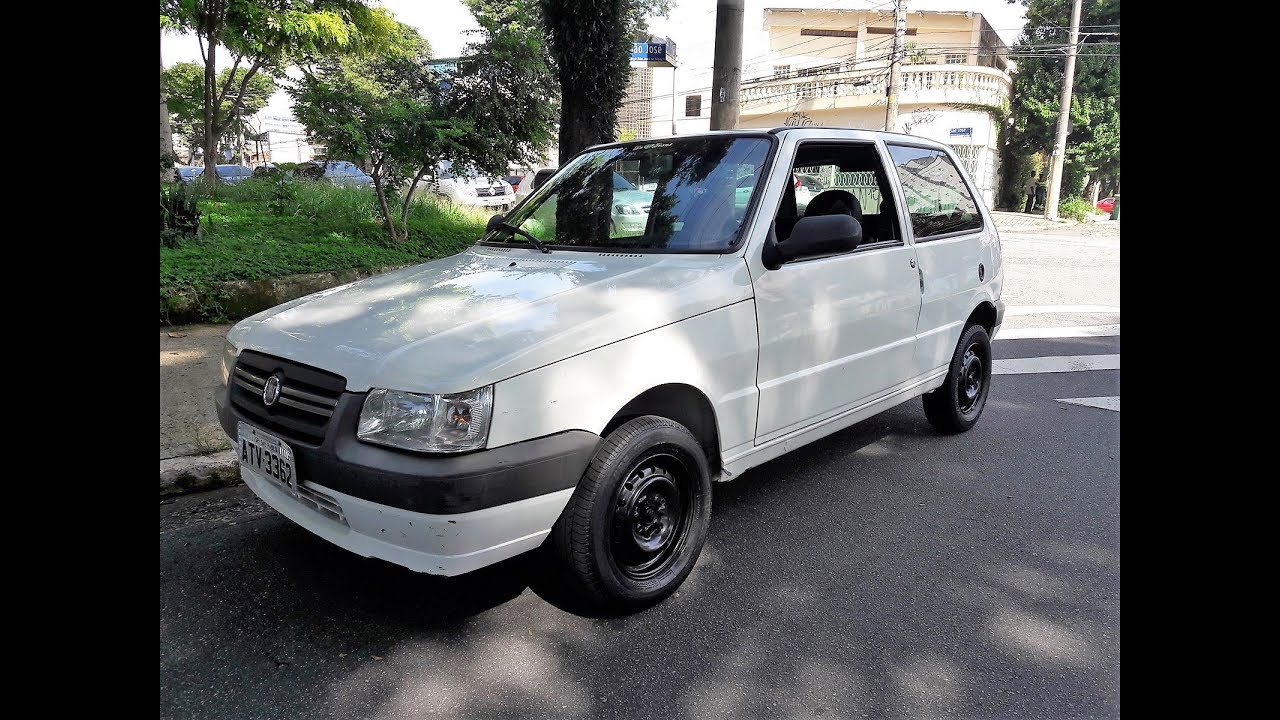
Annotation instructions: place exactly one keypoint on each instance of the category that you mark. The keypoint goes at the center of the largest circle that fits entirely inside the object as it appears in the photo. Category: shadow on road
(884, 570)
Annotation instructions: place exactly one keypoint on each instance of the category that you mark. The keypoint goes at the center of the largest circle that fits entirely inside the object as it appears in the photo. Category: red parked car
(1107, 205)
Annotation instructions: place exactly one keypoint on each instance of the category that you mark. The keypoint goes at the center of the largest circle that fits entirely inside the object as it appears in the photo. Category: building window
(822, 32)
(955, 58)
(781, 71)
(692, 105)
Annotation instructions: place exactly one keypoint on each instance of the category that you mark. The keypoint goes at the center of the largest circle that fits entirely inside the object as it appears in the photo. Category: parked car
(514, 182)
(471, 189)
(539, 179)
(189, 173)
(346, 174)
(1107, 205)
(234, 174)
(557, 385)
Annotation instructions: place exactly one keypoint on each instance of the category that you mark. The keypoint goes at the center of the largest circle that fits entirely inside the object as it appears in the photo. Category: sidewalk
(194, 451)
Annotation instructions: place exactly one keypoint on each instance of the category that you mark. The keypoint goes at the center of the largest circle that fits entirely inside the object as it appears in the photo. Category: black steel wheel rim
(650, 515)
(973, 379)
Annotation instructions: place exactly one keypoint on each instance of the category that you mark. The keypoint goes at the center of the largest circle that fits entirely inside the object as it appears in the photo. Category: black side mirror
(495, 222)
(820, 235)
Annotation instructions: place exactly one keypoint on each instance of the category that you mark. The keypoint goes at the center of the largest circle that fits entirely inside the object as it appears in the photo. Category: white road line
(1056, 364)
(1106, 403)
(1058, 309)
(1077, 331)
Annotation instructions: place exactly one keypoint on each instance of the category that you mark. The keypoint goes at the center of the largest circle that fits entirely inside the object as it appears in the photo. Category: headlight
(427, 423)
(228, 360)
(627, 209)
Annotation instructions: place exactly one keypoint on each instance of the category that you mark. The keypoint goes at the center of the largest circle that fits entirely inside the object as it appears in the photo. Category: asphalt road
(882, 572)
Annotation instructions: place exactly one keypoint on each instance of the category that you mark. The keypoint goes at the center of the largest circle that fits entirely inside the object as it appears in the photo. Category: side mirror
(495, 222)
(820, 235)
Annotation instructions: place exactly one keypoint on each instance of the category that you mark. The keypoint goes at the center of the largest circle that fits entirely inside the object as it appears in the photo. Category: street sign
(962, 132)
(653, 54)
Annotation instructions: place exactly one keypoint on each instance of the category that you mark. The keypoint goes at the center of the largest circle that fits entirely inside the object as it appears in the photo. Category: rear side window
(937, 198)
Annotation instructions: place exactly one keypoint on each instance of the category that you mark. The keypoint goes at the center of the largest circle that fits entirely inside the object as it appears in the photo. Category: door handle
(913, 262)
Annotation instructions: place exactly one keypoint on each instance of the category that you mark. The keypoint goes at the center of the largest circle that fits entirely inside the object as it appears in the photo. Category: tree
(590, 42)
(184, 83)
(505, 86)
(266, 36)
(1093, 145)
(386, 109)
(166, 133)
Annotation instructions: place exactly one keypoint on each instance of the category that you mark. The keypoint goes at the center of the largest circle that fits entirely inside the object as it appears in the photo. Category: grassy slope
(325, 228)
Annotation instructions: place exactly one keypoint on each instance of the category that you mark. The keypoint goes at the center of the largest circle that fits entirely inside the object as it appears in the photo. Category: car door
(951, 240)
(837, 332)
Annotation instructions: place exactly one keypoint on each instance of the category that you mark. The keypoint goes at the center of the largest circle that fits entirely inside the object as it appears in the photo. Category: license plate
(267, 456)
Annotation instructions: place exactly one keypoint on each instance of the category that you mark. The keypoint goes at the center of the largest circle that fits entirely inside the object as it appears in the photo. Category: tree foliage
(266, 36)
(1093, 144)
(384, 109)
(184, 84)
(590, 43)
(505, 86)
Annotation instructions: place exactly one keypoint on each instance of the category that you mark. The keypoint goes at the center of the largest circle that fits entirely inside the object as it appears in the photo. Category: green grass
(323, 228)
(1075, 209)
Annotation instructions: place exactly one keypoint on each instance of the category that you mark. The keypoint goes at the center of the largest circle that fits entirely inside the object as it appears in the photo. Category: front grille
(307, 396)
(495, 191)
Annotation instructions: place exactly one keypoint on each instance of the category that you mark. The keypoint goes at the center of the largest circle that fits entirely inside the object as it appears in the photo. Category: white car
(533, 181)
(562, 384)
(470, 189)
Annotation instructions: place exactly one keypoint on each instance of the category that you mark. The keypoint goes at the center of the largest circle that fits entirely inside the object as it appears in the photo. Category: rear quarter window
(938, 200)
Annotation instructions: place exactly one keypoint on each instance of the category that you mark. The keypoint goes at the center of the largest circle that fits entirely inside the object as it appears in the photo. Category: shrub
(1074, 209)
(179, 214)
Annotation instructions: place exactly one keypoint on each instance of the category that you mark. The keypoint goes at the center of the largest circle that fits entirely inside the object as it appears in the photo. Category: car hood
(488, 314)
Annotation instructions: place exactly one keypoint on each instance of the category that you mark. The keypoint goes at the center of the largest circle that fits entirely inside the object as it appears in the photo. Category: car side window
(847, 178)
(938, 199)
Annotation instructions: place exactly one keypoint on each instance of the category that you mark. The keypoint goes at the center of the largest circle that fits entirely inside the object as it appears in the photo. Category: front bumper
(440, 514)
(999, 319)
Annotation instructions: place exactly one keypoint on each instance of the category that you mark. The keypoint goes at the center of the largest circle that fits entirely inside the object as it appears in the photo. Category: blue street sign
(959, 132)
(653, 54)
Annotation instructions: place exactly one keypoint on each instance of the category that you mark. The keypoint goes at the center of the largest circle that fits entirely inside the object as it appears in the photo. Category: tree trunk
(1094, 188)
(388, 220)
(211, 152)
(579, 128)
(408, 198)
(167, 156)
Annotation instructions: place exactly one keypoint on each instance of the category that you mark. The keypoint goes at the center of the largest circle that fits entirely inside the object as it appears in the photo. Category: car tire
(637, 521)
(956, 406)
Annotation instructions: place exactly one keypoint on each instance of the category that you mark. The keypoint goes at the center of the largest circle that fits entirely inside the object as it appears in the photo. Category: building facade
(635, 115)
(831, 68)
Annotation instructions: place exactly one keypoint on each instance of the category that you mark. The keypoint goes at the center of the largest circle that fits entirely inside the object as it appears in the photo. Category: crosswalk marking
(1110, 402)
(1056, 364)
(1077, 331)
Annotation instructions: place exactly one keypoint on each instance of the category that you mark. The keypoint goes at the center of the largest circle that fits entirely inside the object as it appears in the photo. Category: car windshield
(695, 204)
(190, 171)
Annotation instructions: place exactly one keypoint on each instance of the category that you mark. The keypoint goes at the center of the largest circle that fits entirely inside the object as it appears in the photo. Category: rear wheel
(639, 517)
(956, 406)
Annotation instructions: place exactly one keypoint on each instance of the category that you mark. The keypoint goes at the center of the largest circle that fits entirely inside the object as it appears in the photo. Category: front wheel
(956, 406)
(639, 517)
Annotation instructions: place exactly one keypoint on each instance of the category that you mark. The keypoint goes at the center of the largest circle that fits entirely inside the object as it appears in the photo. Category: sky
(691, 25)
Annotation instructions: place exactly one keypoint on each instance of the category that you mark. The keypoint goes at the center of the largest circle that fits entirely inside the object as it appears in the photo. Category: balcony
(921, 85)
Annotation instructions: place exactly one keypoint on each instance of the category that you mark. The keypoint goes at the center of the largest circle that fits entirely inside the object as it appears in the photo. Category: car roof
(817, 132)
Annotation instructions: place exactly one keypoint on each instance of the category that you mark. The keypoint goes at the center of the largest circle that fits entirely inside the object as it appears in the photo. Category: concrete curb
(193, 473)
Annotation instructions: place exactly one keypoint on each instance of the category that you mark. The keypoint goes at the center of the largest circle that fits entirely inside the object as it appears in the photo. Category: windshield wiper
(517, 231)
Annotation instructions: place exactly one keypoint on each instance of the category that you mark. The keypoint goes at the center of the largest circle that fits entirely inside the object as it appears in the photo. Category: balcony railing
(968, 84)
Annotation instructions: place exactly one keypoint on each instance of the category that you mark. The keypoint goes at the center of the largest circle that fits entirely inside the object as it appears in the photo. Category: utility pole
(727, 73)
(895, 64)
(1064, 119)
